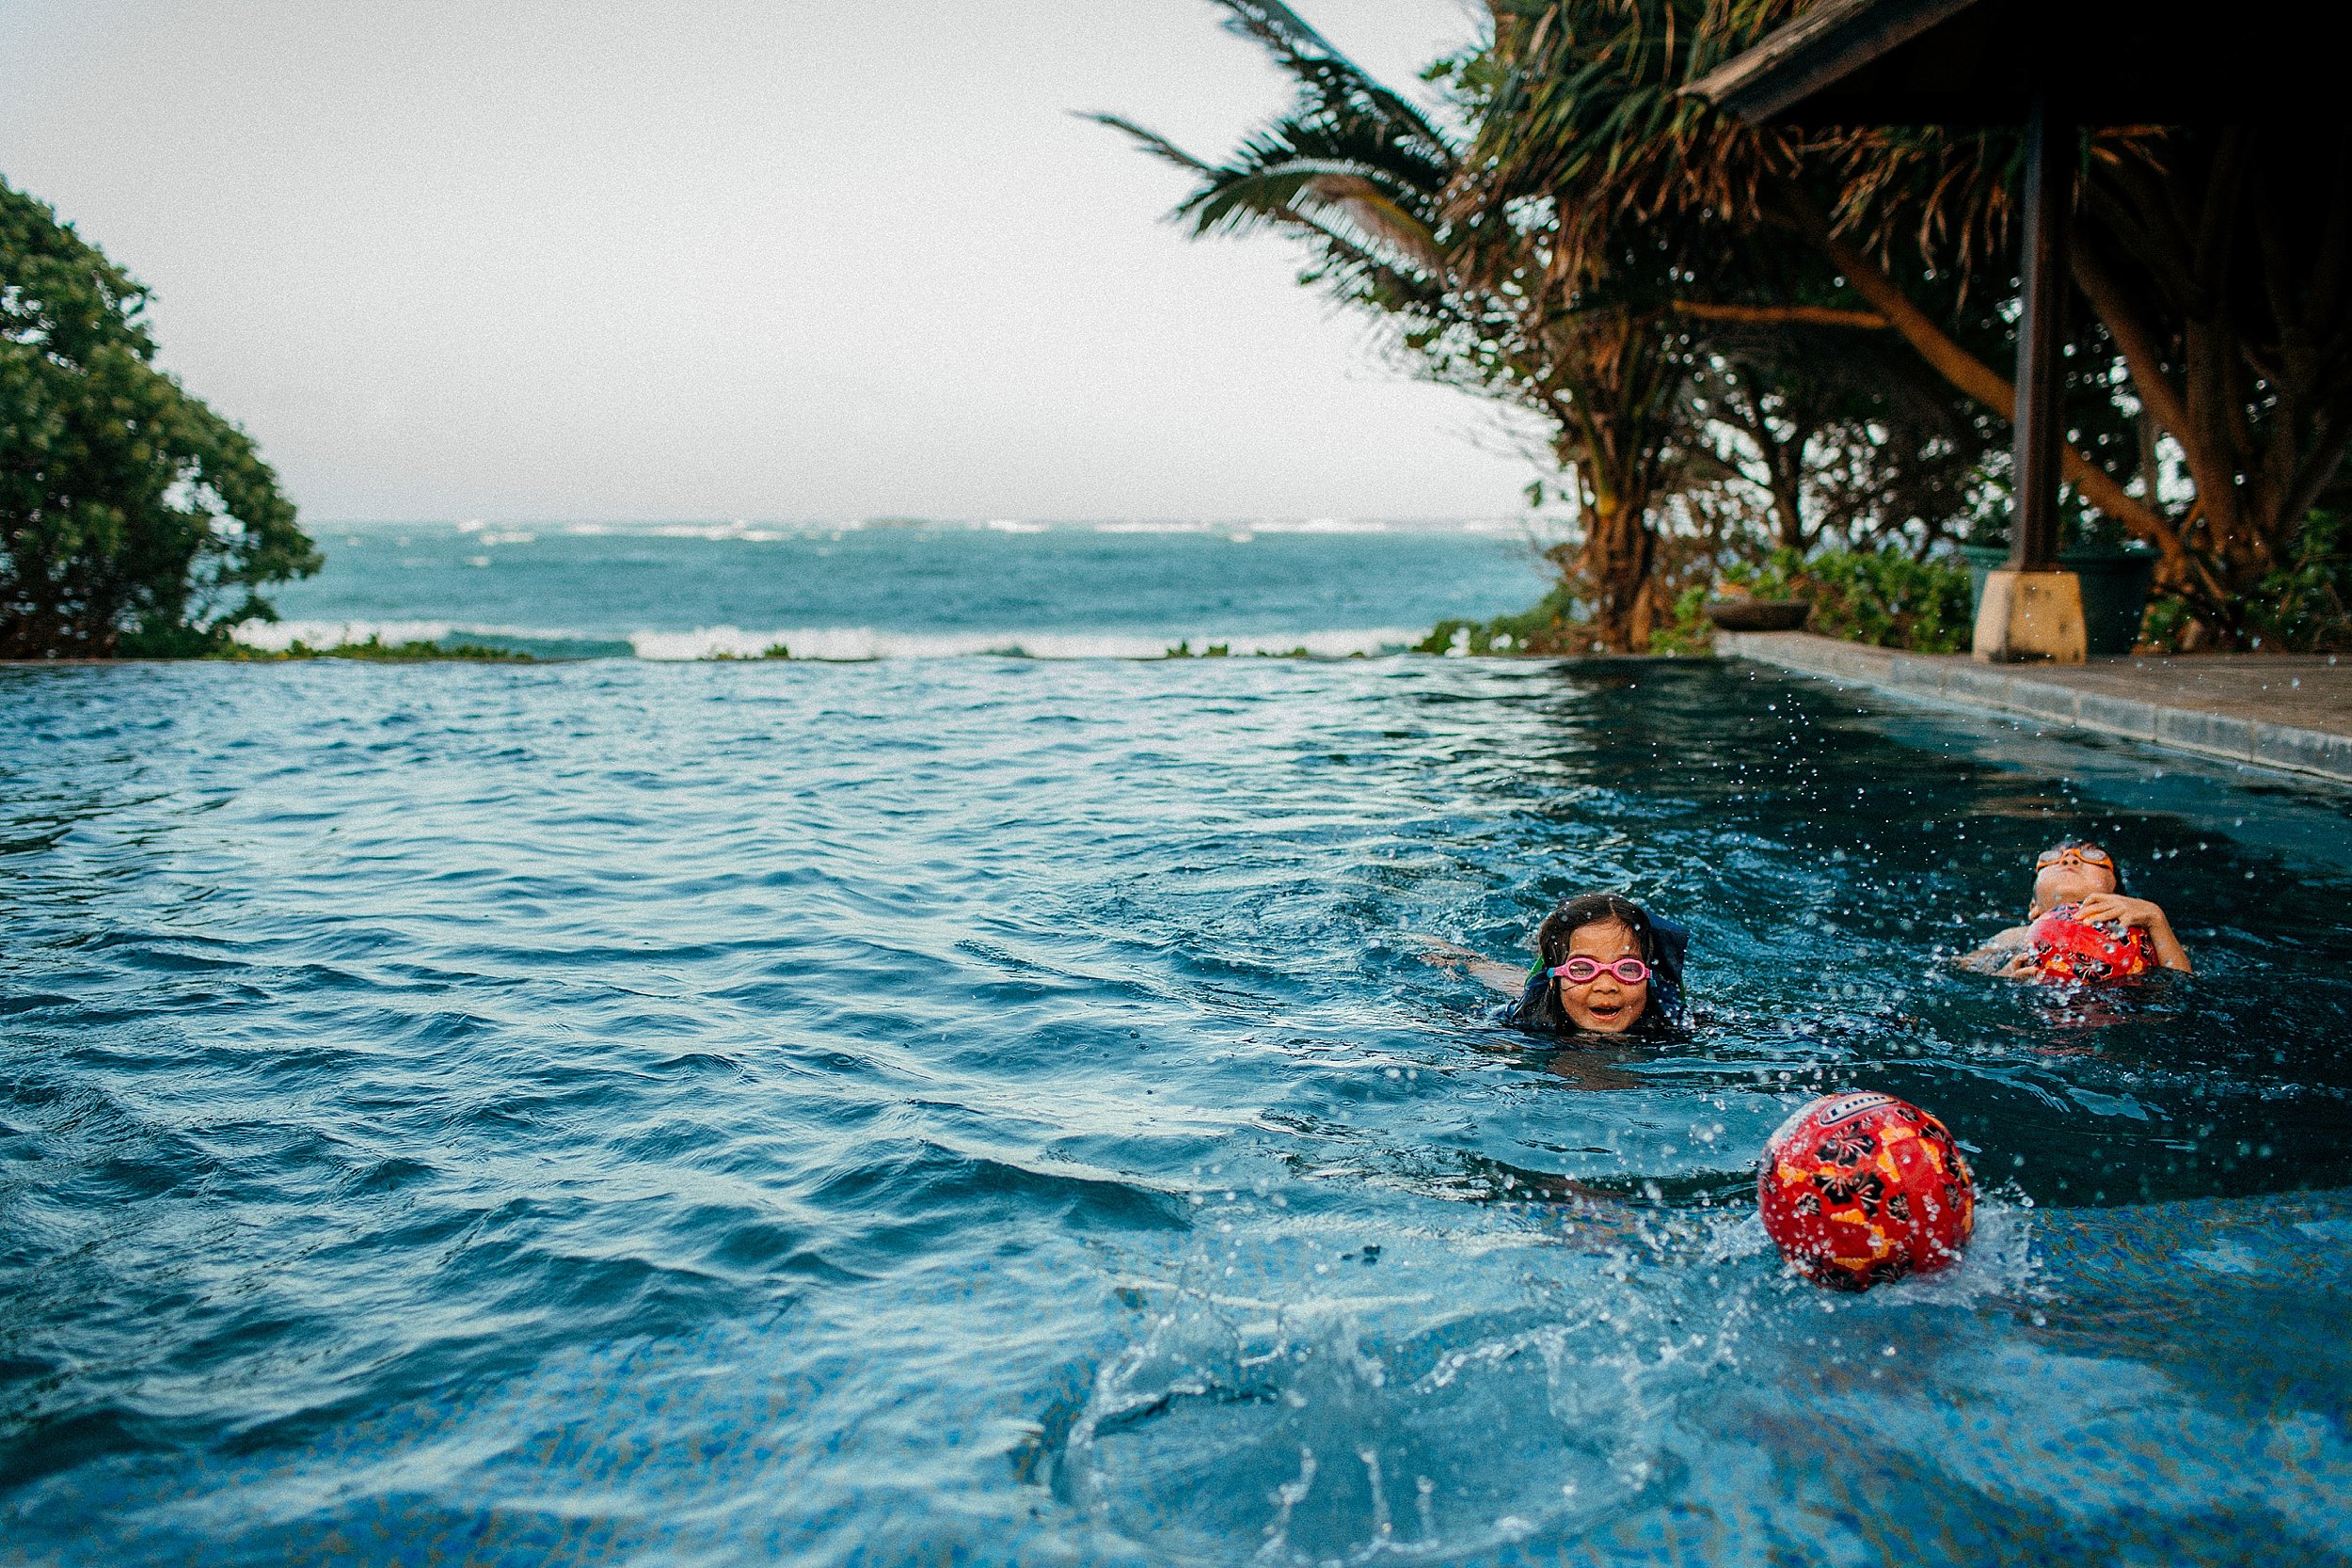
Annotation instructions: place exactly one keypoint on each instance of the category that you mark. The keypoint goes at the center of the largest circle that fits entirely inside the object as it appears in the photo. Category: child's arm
(2147, 916)
(2004, 954)
(1498, 977)
(1501, 979)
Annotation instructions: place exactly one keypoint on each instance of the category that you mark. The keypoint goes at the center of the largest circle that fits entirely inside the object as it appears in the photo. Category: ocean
(910, 589)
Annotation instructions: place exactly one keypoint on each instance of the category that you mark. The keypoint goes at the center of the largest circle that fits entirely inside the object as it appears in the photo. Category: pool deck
(2290, 713)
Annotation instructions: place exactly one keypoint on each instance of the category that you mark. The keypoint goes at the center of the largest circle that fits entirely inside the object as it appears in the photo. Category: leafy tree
(1708, 316)
(2219, 259)
(134, 520)
(2214, 259)
(1589, 115)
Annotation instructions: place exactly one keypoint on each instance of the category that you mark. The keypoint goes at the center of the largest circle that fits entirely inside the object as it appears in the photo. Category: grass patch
(1225, 650)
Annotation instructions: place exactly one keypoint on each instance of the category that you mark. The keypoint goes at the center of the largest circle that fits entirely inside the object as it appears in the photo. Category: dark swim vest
(1663, 948)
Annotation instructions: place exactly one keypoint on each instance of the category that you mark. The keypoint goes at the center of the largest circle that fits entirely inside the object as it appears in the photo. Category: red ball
(1857, 1188)
(2065, 949)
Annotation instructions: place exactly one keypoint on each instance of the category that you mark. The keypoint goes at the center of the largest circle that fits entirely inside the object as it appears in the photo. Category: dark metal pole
(2047, 200)
(2048, 195)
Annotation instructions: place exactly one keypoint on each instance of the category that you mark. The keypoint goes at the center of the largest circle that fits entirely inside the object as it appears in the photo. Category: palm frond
(1308, 189)
(1150, 140)
(1351, 165)
(1587, 117)
(1338, 86)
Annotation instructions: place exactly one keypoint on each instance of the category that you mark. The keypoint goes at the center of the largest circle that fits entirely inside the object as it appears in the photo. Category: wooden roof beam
(1822, 47)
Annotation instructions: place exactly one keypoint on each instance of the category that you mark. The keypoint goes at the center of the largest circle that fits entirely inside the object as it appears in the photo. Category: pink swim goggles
(1576, 971)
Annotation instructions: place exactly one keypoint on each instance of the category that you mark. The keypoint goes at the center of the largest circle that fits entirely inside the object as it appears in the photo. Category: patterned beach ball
(1858, 1188)
(2065, 949)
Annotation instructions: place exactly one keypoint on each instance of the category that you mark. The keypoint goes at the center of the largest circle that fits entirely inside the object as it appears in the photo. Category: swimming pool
(987, 1110)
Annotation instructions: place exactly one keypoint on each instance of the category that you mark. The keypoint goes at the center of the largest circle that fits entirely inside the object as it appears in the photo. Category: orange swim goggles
(2089, 854)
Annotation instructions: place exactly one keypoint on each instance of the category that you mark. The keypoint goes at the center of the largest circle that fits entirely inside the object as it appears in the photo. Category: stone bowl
(1746, 614)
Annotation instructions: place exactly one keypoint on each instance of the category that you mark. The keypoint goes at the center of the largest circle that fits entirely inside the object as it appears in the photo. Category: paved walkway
(2290, 713)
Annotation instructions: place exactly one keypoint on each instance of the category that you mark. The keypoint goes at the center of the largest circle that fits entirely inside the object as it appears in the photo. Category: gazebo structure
(2052, 65)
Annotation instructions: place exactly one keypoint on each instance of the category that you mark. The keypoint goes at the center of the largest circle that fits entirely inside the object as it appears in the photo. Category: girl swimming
(1604, 966)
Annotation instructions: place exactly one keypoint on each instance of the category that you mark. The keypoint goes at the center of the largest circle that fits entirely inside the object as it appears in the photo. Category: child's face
(1604, 1004)
(2069, 879)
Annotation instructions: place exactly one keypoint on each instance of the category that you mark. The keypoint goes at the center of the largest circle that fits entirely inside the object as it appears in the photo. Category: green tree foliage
(1747, 340)
(134, 520)
(2213, 261)
(2220, 261)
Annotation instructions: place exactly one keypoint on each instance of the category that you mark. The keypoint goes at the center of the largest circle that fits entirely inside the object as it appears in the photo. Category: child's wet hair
(1540, 1007)
(1593, 909)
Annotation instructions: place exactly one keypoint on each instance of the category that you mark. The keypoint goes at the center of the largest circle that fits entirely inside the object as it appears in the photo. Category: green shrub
(1687, 629)
(1883, 597)
(2303, 606)
(1547, 627)
(1880, 596)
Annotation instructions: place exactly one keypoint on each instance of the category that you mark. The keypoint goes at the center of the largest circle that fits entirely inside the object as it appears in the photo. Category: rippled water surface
(987, 1110)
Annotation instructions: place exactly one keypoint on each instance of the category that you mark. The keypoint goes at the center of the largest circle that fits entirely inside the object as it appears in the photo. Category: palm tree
(1365, 178)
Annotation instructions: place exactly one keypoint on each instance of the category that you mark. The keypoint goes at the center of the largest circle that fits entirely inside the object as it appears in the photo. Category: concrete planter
(2115, 589)
(1740, 613)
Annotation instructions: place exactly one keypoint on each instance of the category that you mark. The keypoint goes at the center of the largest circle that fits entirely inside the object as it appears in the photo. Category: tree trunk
(1787, 460)
(1619, 550)
(2229, 306)
(1743, 409)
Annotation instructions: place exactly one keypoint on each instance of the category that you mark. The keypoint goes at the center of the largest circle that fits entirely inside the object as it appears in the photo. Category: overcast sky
(793, 260)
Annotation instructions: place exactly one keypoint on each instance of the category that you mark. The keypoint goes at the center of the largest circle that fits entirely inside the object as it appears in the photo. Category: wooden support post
(2031, 609)
(2048, 195)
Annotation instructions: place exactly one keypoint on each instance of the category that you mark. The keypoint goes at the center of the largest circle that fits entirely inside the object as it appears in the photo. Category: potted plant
(1762, 595)
(1736, 607)
(2116, 574)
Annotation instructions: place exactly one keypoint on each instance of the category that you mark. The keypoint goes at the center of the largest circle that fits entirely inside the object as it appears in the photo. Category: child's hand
(2115, 908)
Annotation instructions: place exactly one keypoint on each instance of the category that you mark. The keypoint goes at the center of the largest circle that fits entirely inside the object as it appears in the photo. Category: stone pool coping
(2288, 712)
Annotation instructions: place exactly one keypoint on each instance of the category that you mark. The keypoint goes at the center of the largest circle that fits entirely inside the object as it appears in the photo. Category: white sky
(805, 258)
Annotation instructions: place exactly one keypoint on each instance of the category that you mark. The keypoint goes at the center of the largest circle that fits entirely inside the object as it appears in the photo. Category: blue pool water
(987, 1110)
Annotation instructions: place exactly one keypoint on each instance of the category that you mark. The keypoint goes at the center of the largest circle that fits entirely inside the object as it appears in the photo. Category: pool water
(992, 1110)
